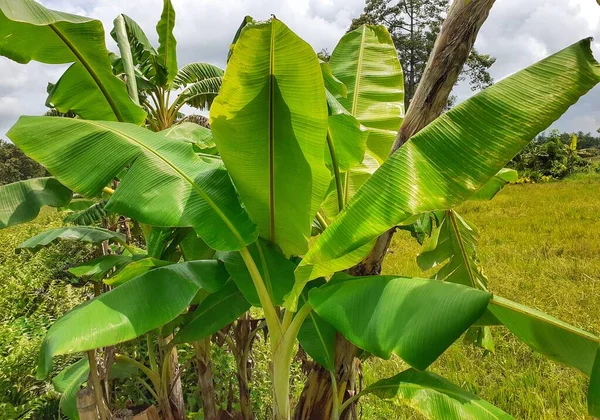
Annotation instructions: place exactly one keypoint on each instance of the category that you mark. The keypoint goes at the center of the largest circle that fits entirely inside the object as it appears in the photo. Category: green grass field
(539, 245)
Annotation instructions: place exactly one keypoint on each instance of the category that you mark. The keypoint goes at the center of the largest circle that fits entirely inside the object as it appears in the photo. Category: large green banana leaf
(454, 156)
(366, 61)
(68, 382)
(416, 319)
(276, 271)
(29, 31)
(316, 336)
(166, 184)
(167, 44)
(75, 233)
(215, 312)
(453, 244)
(132, 309)
(270, 122)
(434, 397)
(22, 201)
(550, 336)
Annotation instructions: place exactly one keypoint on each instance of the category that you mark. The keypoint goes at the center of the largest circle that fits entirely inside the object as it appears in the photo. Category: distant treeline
(584, 140)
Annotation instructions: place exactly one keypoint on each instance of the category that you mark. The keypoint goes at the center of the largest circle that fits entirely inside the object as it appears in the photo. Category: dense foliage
(552, 157)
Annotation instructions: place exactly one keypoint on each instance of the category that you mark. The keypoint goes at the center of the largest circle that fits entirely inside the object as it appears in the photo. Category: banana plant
(243, 220)
(153, 74)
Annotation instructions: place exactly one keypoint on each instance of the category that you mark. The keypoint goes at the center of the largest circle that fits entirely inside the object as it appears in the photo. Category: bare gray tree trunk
(446, 61)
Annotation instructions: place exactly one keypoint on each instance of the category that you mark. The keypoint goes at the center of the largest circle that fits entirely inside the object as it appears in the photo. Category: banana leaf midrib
(355, 96)
(271, 137)
(265, 267)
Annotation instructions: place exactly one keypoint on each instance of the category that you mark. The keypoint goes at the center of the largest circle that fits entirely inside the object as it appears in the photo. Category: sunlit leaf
(453, 158)
(366, 61)
(270, 136)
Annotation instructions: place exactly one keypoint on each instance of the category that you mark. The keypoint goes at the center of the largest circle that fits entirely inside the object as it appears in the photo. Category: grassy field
(539, 246)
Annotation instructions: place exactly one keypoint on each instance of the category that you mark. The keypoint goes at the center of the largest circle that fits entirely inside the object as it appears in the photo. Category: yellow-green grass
(540, 246)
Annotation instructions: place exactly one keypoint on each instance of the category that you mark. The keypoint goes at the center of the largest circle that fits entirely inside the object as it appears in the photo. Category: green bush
(550, 159)
(34, 292)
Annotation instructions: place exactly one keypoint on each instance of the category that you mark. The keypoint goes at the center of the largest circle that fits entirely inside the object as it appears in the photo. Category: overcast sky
(518, 33)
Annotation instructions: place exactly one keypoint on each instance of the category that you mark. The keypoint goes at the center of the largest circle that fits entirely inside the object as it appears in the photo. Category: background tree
(15, 166)
(414, 26)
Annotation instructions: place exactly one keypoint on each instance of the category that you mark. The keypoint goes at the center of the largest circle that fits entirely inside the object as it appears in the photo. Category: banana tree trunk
(205, 378)
(316, 401)
(174, 391)
(244, 337)
(451, 50)
(86, 405)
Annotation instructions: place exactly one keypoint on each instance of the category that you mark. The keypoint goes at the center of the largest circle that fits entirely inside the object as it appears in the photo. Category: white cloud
(517, 32)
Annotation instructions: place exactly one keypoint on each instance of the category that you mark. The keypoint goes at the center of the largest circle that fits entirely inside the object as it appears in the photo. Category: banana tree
(287, 134)
(153, 75)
